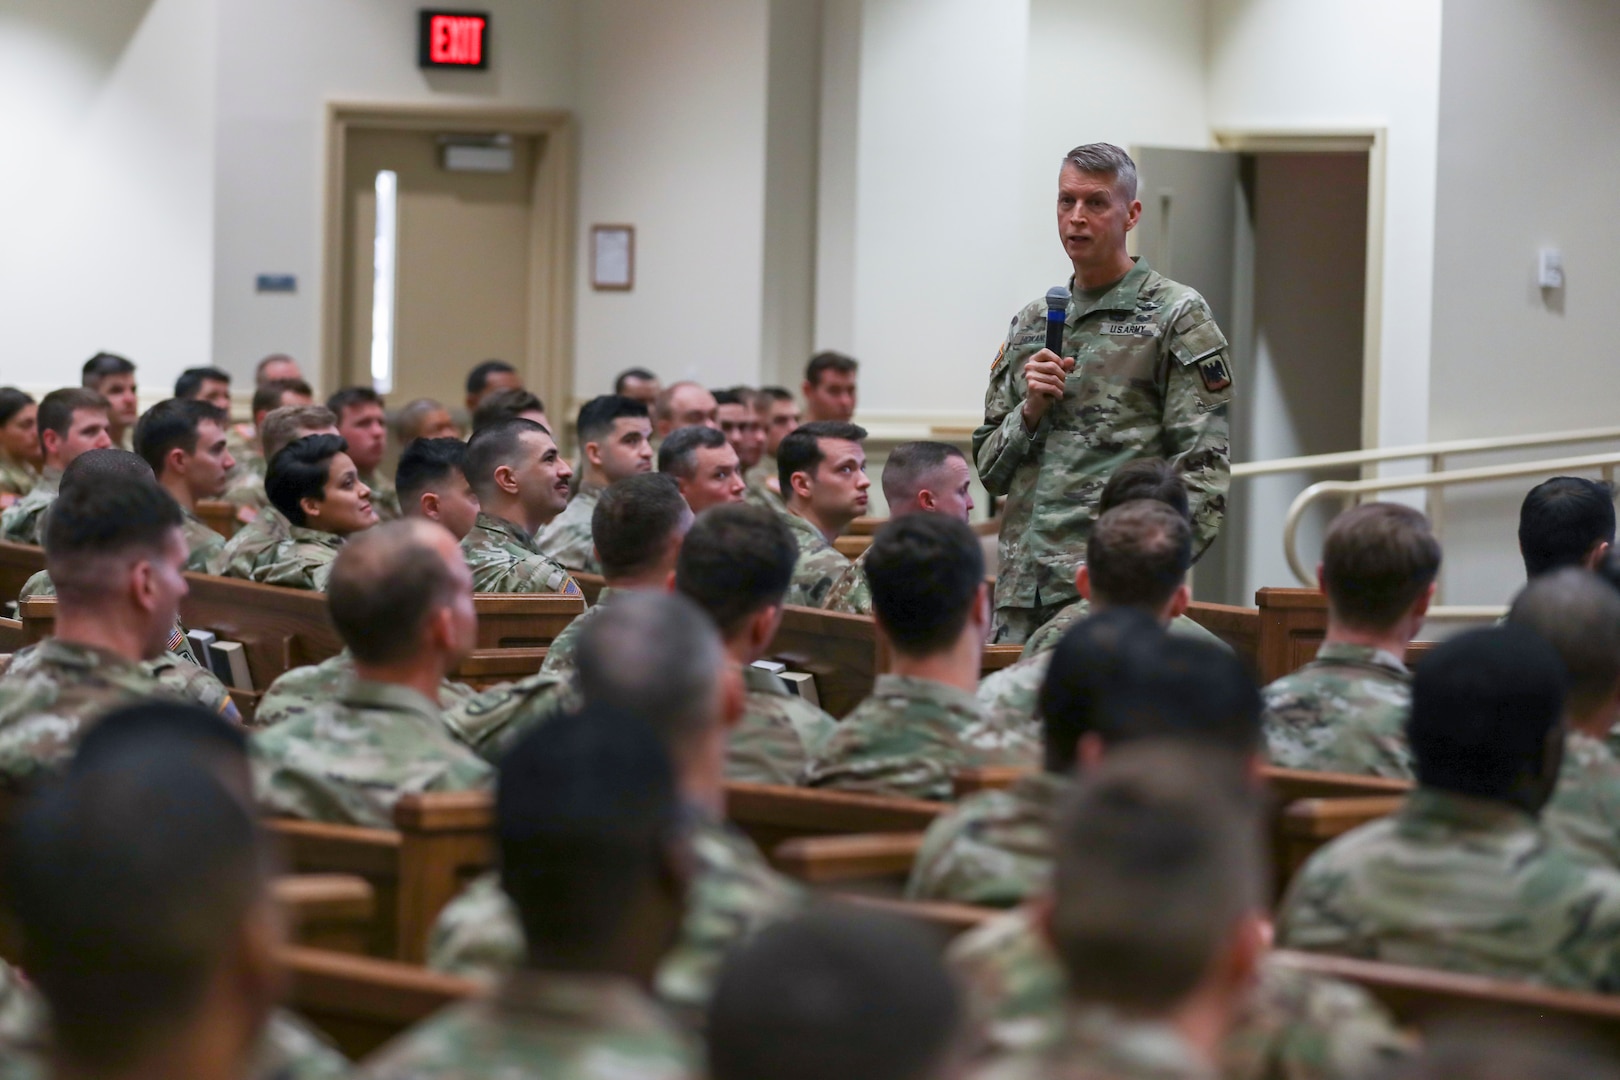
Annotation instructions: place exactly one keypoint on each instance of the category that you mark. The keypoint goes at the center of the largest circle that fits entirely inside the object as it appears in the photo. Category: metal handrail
(1350, 490)
(1428, 450)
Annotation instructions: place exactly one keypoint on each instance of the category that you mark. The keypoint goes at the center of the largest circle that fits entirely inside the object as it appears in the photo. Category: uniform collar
(1122, 297)
(50, 478)
(1339, 652)
(73, 654)
(802, 525)
(1431, 805)
(585, 1000)
(1127, 1046)
(389, 697)
(315, 536)
(500, 526)
(928, 691)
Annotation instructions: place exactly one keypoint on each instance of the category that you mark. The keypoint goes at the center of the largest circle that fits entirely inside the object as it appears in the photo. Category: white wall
(107, 119)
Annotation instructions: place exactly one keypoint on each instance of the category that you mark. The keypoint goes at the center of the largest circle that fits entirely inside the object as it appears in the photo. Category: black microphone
(1057, 310)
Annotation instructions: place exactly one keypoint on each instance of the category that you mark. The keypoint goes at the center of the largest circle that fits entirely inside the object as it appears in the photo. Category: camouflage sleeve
(477, 935)
(290, 1049)
(1198, 388)
(1302, 1026)
(850, 594)
(1002, 442)
(195, 684)
(535, 574)
(203, 552)
(291, 572)
(492, 720)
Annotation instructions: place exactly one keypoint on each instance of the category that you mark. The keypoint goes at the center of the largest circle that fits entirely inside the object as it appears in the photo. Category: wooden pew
(220, 516)
(12, 636)
(1291, 785)
(313, 847)
(770, 814)
(327, 911)
(1423, 999)
(1293, 623)
(18, 563)
(819, 860)
(523, 620)
(948, 919)
(1239, 627)
(361, 1003)
(485, 667)
(279, 628)
(851, 546)
(1307, 825)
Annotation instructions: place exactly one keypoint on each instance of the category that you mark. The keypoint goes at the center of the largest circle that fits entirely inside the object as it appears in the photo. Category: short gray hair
(1105, 159)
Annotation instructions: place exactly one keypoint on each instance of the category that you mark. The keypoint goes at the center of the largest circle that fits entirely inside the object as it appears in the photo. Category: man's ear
(669, 581)
(176, 459)
(593, 454)
(441, 628)
(1599, 552)
(506, 479)
(762, 628)
(927, 501)
(1179, 602)
(1321, 580)
(801, 484)
(733, 696)
(49, 441)
(1420, 606)
(1082, 582)
(1250, 940)
(983, 608)
(1089, 751)
(429, 502)
(258, 973)
(141, 584)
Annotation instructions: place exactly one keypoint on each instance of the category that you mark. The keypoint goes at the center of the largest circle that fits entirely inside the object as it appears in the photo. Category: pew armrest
(820, 859)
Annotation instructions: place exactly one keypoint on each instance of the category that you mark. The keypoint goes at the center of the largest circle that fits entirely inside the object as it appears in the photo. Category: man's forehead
(537, 443)
(838, 451)
(1074, 181)
(87, 416)
(626, 425)
(366, 410)
(717, 455)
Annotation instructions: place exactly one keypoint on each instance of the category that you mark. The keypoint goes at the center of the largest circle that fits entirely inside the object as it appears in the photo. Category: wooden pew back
(1309, 824)
(362, 1003)
(1293, 623)
(220, 516)
(523, 620)
(770, 814)
(279, 628)
(18, 563)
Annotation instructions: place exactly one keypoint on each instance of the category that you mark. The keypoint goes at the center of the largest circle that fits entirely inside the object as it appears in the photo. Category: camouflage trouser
(1014, 625)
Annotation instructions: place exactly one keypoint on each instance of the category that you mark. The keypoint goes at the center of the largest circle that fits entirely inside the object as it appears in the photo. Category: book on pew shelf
(803, 684)
(229, 659)
(775, 667)
(202, 641)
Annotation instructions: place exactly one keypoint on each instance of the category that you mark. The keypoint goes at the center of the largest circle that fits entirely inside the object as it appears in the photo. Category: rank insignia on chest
(1216, 375)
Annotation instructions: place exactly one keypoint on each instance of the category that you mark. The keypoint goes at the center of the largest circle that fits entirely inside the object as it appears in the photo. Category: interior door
(462, 246)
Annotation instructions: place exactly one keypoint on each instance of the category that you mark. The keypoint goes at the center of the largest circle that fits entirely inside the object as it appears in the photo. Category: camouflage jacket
(559, 659)
(492, 720)
(851, 594)
(734, 893)
(759, 494)
(1100, 1042)
(203, 543)
(1011, 697)
(778, 734)
(51, 692)
(819, 564)
(302, 561)
(247, 553)
(16, 477)
(568, 538)
(1345, 711)
(348, 761)
(302, 688)
(1585, 809)
(245, 485)
(994, 848)
(503, 559)
(23, 521)
(910, 738)
(1152, 378)
(1046, 638)
(1295, 1025)
(550, 1024)
(1463, 885)
(384, 498)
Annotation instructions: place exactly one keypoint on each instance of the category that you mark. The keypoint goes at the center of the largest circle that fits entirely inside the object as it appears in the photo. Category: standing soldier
(1144, 372)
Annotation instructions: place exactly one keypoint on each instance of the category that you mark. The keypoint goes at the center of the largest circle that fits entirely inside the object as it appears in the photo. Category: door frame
(1373, 142)
(548, 367)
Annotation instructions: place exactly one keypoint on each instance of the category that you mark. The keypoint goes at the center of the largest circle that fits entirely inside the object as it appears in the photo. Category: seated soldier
(1565, 521)
(1158, 916)
(184, 443)
(210, 384)
(657, 656)
(431, 480)
(1144, 478)
(639, 523)
(683, 404)
(276, 367)
(489, 378)
(822, 469)
(424, 418)
(363, 423)
(639, 384)
(596, 858)
(779, 414)
(114, 550)
(1464, 877)
(921, 725)
(70, 422)
(836, 994)
(1117, 680)
(251, 548)
(615, 442)
(347, 761)
(736, 564)
(1579, 615)
(918, 478)
(704, 464)
(741, 425)
(113, 377)
(19, 444)
(317, 488)
(504, 405)
(252, 451)
(1137, 556)
(521, 481)
(142, 890)
(1346, 710)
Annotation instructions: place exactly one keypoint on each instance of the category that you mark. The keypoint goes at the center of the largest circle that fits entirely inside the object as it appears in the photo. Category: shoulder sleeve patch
(1001, 354)
(1197, 340)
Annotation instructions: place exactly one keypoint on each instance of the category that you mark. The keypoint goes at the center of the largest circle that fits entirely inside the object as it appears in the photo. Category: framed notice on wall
(613, 257)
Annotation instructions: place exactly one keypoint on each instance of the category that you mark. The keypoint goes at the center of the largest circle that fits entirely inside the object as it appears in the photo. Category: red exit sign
(452, 39)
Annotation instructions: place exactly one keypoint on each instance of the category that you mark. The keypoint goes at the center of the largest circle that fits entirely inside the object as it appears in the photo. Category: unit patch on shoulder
(1001, 352)
(1216, 375)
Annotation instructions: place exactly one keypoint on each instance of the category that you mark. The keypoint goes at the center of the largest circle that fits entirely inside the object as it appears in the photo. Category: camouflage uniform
(245, 486)
(348, 761)
(302, 561)
(910, 738)
(1296, 1025)
(778, 734)
(568, 538)
(544, 1023)
(1046, 638)
(818, 567)
(1010, 697)
(559, 659)
(492, 720)
(1100, 1042)
(851, 593)
(994, 848)
(734, 893)
(51, 692)
(1151, 379)
(23, 521)
(503, 559)
(302, 688)
(16, 477)
(759, 494)
(1460, 884)
(1584, 813)
(202, 542)
(248, 552)
(384, 499)
(1345, 711)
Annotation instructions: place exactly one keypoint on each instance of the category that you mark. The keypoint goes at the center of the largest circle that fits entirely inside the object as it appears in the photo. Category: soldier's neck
(1393, 641)
(420, 673)
(179, 489)
(510, 509)
(1104, 272)
(108, 631)
(204, 1051)
(828, 529)
(957, 666)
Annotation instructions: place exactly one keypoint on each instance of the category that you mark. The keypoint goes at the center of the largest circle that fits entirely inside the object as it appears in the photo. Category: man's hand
(1045, 373)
